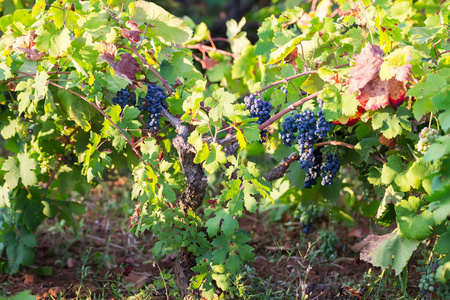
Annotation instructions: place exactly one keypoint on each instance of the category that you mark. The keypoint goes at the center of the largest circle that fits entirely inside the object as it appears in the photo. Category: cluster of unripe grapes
(329, 242)
(153, 103)
(25, 126)
(306, 214)
(305, 129)
(428, 283)
(258, 109)
(426, 137)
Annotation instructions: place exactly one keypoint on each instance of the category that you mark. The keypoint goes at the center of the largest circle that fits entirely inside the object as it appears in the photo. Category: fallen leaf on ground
(137, 279)
(29, 278)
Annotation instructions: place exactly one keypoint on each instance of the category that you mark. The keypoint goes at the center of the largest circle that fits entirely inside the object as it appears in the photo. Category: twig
(202, 47)
(52, 176)
(114, 17)
(279, 170)
(287, 109)
(104, 114)
(164, 281)
(335, 143)
(104, 241)
(143, 37)
(296, 76)
(376, 157)
(437, 55)
(286, 79)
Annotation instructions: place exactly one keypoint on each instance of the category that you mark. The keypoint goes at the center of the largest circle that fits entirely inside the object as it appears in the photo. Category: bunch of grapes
(153, 103)
(428, 282)
(313, 173)
(427, 136)
(323, 126)
(329, 169)
(124, 98)
(288, 135)
(329, 243)
(14, 107)
(258, 109)
(307, 215)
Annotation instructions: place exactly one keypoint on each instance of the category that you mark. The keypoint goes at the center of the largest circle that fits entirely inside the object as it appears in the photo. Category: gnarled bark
(191, 199)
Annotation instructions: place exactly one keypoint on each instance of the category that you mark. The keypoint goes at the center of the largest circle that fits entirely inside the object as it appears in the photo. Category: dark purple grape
(258, 109)
(330, 169)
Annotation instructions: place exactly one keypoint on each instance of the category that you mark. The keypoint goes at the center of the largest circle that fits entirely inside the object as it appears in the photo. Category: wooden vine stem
(288, 109)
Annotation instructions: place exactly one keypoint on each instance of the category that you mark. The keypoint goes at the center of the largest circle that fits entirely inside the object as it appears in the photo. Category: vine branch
(335, 143)
(291, 107)
(296, 76)
(202, 48)
(281, 169)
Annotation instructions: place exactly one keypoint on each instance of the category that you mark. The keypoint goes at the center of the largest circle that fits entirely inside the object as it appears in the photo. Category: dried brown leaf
(208, 63)
(371, 242)
(137, 279)
(367, 67)
(390, 143)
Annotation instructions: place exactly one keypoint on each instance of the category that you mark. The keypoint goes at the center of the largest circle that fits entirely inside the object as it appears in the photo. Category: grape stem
(104, 114)
(288, 109)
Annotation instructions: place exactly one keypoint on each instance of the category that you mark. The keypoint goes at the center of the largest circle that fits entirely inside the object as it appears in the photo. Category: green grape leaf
(418, 226)
(18, 167)
(283, 51)
(390, 197)
(5, 71)
(438, 149)
(233, 263)
(244, 66)
(335, 105)
(442, 245)
(222, 220)
(9, 127)
(4, 197)
(40, 83)
(391, 169)
(391, 124)
(221, 104)
(249, 200)
(388, 251)
(221, 281)
(161, 24)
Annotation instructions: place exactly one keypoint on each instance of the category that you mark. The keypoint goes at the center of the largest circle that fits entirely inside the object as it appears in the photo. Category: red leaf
(367, 67)
(127, 66)
(133, 35)
(379, 93)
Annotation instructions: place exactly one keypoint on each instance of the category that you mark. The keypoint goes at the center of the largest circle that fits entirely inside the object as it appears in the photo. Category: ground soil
(117, 263)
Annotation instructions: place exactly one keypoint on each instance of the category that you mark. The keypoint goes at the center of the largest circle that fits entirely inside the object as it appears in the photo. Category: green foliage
(62, 64)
